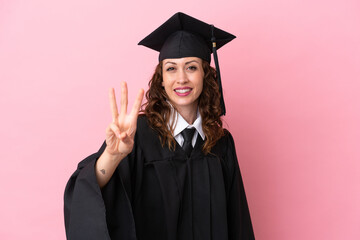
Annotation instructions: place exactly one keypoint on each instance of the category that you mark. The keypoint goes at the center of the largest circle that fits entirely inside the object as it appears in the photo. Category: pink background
(291, 81)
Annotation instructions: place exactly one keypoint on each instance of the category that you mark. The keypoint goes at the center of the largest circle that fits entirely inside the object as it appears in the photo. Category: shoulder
(229, 139)
(148, 140)
(142, 121)
(226, 152)
(225, 143)
(144, 132)
(143, 125)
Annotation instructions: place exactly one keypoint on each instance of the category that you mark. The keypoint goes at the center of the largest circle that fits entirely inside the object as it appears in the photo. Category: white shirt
(181, 124)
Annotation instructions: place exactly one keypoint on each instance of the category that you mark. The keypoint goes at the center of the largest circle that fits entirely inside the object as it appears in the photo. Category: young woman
(170, 172)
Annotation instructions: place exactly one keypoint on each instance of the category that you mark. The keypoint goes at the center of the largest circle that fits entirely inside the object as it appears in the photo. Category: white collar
(181, 123)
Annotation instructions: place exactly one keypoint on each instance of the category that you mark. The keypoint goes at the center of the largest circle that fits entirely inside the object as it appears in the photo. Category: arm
(119, 135)
(240, 225)
(105, 166)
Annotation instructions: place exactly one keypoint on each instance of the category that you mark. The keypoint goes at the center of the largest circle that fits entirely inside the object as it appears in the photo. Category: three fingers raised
(124, 102)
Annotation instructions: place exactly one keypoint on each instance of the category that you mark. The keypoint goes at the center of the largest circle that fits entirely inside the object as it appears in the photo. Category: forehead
(184, 60)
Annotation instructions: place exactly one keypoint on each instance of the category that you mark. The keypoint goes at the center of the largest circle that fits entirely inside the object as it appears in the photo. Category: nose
(182, 77)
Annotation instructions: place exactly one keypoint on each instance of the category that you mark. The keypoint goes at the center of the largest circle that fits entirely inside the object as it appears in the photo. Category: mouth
(182, 91)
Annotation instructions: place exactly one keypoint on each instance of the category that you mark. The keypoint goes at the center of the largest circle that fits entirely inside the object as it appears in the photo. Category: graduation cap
(184, 36)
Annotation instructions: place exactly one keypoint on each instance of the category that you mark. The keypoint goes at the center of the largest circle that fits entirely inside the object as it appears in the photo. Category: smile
(182, 91)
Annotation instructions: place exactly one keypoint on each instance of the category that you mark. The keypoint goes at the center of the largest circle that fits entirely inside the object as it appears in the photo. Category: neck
(188, 114)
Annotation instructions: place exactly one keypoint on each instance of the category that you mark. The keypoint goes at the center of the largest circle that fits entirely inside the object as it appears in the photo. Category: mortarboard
(184, 36)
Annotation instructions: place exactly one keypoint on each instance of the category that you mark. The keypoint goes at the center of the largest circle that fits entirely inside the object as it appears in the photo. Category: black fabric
(188, 134)
(156, 193)
(184, 36)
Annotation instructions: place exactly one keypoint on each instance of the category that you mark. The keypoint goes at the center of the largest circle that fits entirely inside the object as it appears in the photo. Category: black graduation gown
(156, 193)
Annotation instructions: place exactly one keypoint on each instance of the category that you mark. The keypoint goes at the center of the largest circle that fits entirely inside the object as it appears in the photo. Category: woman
(172, 172)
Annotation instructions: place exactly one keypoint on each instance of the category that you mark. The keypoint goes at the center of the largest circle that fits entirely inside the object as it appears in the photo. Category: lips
(184, 91)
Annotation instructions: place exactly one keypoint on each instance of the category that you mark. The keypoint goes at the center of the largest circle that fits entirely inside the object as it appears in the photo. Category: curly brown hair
(158, 110)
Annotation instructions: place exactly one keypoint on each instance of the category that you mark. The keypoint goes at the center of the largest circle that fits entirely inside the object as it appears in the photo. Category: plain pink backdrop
(291, 82)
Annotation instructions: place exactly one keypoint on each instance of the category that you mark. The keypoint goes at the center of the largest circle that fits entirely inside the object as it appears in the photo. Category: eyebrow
(191, 62)
(185, 63)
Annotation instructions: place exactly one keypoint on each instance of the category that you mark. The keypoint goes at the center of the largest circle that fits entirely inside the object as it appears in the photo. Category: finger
(123, 136)
(124, 99)
(113, 128)
(131, 130)
(127, 139)
(137, 104)
(113, 106)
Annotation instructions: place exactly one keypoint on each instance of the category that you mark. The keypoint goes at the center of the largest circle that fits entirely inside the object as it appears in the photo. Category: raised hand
(120, 133)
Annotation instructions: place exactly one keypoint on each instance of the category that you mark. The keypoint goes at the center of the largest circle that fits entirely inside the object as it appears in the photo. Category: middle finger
(124, 99)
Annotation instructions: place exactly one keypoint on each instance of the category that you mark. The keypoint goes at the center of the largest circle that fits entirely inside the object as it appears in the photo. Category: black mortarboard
(184, 36)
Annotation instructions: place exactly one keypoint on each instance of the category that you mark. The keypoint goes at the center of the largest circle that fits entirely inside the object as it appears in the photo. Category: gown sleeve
(87, 208)
(239, 221)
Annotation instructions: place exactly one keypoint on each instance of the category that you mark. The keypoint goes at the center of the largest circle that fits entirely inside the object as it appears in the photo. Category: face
(183, 82)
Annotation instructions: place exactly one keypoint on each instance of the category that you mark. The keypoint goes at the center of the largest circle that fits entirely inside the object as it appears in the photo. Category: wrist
(114, 156)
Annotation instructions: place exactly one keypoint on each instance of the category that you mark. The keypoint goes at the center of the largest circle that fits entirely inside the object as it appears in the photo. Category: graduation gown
(156, 193)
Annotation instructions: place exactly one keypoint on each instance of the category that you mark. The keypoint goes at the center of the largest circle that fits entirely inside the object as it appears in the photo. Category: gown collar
(180, 123)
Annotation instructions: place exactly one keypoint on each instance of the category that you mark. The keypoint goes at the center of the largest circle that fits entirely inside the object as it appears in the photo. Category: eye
(192, 68)
(170, 69)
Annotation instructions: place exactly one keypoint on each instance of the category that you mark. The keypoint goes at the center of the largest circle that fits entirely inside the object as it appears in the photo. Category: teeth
(183, 90)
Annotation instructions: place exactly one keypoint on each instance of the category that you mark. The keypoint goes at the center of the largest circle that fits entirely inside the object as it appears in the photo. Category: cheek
(201, 82)
(165, 81)
(201, 89)
(166, 85)
(168, 82)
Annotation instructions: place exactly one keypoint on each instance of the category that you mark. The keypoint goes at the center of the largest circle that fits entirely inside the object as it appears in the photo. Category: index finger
(113, 106)
(137, 104)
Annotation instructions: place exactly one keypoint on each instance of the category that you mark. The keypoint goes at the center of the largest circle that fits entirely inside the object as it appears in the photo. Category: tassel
(213, 40)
